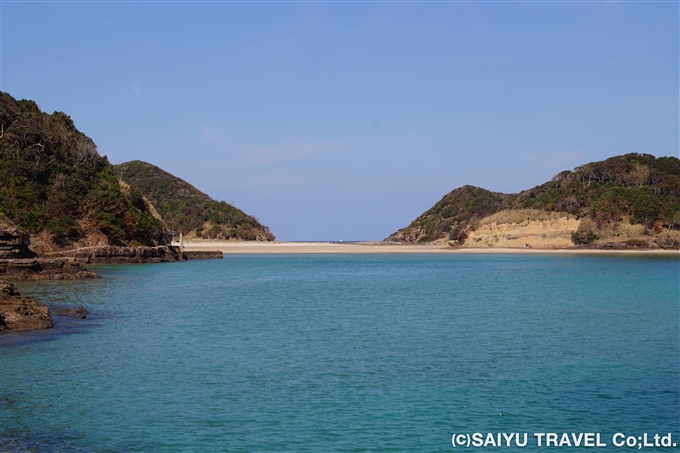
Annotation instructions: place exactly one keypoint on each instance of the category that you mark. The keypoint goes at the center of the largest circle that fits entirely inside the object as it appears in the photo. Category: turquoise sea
(348, 353)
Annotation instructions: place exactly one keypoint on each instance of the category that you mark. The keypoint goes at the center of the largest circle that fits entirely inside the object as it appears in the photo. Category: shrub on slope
(184, 208)
(54, 183)
(451, 216)
(637, 188)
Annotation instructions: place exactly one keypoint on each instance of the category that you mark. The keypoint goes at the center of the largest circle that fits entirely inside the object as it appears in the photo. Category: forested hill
(640, 187)
(54, 183)
(451, 216)
(186, 209)
(633, 189)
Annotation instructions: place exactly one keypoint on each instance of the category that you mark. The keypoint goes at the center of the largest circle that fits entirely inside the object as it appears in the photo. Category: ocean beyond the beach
(347, 353)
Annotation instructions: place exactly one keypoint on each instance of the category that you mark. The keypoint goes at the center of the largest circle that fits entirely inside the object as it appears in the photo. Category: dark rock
(79, 313)
(651, 244)
(667, 243)
(44, 269)
(123, 255)
(15, 243)
(204, 255)
(21, 313)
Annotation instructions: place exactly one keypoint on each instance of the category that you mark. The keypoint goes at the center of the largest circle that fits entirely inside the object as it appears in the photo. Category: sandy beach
(233, 247)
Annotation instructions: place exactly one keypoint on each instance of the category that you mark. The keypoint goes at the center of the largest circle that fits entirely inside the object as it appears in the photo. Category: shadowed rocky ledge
(18, 312)
(204, 255)
(44, 269)
(122, 255)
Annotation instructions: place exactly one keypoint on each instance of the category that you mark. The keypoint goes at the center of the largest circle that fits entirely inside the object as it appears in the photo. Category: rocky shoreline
(24, 313)
(656, 244)
(122, 255)
(204, 255)
(652, 244)
(134, 255)
(44, 269)
(19, 312)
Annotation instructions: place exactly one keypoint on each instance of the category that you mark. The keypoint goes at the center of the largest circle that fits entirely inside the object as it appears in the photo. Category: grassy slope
(54, 183)
(185, 208)
(637, 188)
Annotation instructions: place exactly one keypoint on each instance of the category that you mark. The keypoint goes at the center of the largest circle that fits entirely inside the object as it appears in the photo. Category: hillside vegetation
(452, 216)
(54, 183)
(183, 208)
(632, 189)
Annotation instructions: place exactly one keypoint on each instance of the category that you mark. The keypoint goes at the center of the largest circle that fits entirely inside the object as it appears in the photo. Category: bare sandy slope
(531, 228)
(232, 247)
(543, 234)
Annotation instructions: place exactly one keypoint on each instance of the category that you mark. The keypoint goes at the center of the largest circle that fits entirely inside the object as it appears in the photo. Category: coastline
(234, 247)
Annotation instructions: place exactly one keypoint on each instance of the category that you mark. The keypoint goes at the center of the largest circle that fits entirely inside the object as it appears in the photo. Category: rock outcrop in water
(19, 262)
(18, 312)
(79, 313)
(124, 255)
(44, 269)
(204, 255)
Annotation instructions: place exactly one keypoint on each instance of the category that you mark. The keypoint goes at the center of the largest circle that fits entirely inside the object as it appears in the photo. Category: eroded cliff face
(631, 189)
(18, 312)
(13, 242)
(541, 234)
(532, 228)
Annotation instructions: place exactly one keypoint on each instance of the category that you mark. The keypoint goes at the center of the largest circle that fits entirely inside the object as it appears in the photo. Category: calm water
(347, 353)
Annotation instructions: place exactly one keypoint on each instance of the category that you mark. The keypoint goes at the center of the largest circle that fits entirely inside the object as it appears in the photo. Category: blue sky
(345, 121)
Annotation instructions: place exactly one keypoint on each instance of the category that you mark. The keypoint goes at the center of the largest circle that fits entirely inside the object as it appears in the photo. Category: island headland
(628, 202)
(182, 208)
(62, 205)
(58, 190)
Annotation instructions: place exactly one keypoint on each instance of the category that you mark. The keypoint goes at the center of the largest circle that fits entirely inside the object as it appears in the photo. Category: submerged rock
(79, 313)
(18, 312)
